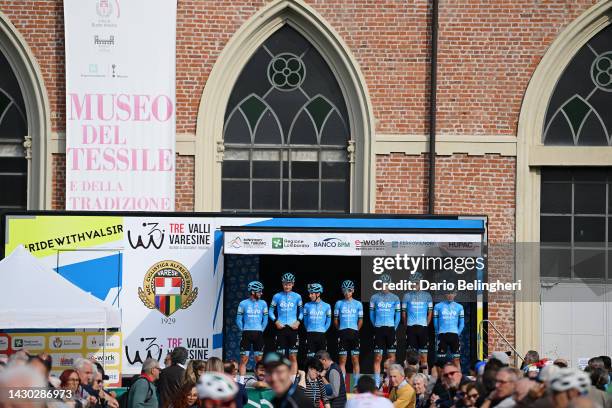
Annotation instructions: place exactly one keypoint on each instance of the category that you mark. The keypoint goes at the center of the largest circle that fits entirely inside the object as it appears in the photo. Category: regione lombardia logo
(167, 287)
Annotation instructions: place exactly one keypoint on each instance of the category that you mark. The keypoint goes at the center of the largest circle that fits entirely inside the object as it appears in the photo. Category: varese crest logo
(167, 287)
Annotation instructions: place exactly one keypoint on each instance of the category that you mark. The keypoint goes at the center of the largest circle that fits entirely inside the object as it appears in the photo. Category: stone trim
(446, 145)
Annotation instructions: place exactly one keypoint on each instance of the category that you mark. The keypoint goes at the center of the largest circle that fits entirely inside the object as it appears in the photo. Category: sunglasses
(473, 396)
(450, 374)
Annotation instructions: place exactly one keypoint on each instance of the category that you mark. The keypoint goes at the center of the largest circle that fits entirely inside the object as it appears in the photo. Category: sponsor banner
(120, 104)
(288, 243)
(66, 348)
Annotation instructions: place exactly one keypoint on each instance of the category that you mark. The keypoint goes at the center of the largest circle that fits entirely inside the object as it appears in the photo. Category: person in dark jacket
(171, 378)
(333, 376)
(287, 394)
(445, 390)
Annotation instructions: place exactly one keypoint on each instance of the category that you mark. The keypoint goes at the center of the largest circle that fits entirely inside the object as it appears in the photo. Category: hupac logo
(155, 237)
(167, 287)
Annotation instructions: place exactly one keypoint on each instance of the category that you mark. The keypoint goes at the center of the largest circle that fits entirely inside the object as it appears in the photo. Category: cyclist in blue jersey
(448, 321)
(348, 318)
(385, 317)
(252, 319)
(286, 311)
(417, 311)
(317, 319)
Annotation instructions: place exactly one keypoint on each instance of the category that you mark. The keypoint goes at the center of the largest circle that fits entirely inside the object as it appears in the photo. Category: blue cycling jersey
(448, 318)
(317, 316)
(385, 310)
(252, 315)
(417, 305)
(348, 313)
(286, 307)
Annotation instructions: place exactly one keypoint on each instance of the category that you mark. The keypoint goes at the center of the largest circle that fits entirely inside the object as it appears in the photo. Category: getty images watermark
(439, 268)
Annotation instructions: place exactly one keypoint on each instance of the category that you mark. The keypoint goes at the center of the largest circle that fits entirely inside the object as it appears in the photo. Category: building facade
(521, 89)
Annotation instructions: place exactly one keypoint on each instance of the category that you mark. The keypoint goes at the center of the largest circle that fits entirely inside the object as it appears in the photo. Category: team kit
(386, 311)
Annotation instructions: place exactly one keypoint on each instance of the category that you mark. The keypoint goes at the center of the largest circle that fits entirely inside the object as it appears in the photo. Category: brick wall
(488, 50)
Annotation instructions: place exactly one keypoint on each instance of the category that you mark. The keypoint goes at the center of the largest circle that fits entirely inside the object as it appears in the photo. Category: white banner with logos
(349, 244)
(120, 104)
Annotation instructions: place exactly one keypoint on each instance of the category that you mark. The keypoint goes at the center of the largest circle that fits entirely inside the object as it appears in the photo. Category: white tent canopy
(33, 296)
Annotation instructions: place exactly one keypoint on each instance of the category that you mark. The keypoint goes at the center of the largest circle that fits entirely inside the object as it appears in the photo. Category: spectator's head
(599, 378)
(19, 377)
(325, 358)
(531, 357)
(596, 362)
(151, 368)
(396, 374)
(19, 358)
(214, 365)
(217, 389)
(260, 371)
(409, 373)
(230, 367)
(412, 359)
(522, 388)
(568, 384)
(39, 365)
(199, 368)
(502, 357)
(471, 394)
(366, 384)
(607, 362)
(98, 382)
(168, 359)
(420, 382)
(187, 395)
(100, 369)
(278, 373)
(505, 381)
(561, 362)
(179, 355)
(314, 367)
(69, 380)
(85, 370)
(451, 376)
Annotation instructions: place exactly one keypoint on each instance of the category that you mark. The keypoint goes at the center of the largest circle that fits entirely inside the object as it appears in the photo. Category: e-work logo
(277, 243)
(155, 235)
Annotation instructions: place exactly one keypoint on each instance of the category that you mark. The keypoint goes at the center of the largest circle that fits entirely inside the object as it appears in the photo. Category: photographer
(313, 384)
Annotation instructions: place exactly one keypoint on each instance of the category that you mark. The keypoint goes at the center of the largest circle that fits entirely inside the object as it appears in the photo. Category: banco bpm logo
(167, 287)
(277, 243)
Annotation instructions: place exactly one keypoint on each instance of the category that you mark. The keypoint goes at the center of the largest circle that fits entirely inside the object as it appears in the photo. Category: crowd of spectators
(496, 382)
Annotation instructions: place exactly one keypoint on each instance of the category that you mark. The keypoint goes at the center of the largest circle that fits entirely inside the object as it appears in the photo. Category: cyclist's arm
(328, 319)
(336, 316)
(360, 316)
(435, 321)
(429, 316)
(373, 313)
(397, 315)
(239, 318)
(264, 318)
(300, 308)
(272, 309)
(461, 322)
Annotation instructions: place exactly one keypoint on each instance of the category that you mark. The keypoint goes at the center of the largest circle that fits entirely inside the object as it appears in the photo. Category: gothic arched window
(13, 129)
(286, 133)
(579, 110)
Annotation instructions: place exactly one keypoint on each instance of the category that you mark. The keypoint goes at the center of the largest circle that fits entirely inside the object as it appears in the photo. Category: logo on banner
(277, 243)
(155, 237)
(332, 243)
(104, 8)
(167, 287)
(236, 243)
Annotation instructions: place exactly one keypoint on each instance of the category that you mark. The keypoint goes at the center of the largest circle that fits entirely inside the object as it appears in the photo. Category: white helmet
(570, 378)
(216, 386)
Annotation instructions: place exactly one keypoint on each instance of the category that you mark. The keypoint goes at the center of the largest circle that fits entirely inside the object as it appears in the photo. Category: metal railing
(482, 330)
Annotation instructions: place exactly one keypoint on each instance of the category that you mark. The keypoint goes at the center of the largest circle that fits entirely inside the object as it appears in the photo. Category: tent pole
(104, 349)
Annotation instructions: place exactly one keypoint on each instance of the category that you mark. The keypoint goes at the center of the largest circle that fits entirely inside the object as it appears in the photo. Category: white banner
(120, 104)
(348, 244)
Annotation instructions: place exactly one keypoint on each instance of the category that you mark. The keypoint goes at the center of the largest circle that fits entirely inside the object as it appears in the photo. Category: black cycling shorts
(315, 342)
(254, 339)
(348, 342)
(384, 339)
(417, 338)
(287, 339)
(449, 342)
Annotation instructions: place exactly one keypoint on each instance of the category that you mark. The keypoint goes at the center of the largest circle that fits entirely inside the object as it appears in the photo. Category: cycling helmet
(288, 277)
(315, 288)
(569, 378)
(216, 386)
(255, 286)
(348, 285)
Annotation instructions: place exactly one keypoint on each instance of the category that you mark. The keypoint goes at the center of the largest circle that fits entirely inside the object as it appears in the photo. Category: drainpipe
(432, 105)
